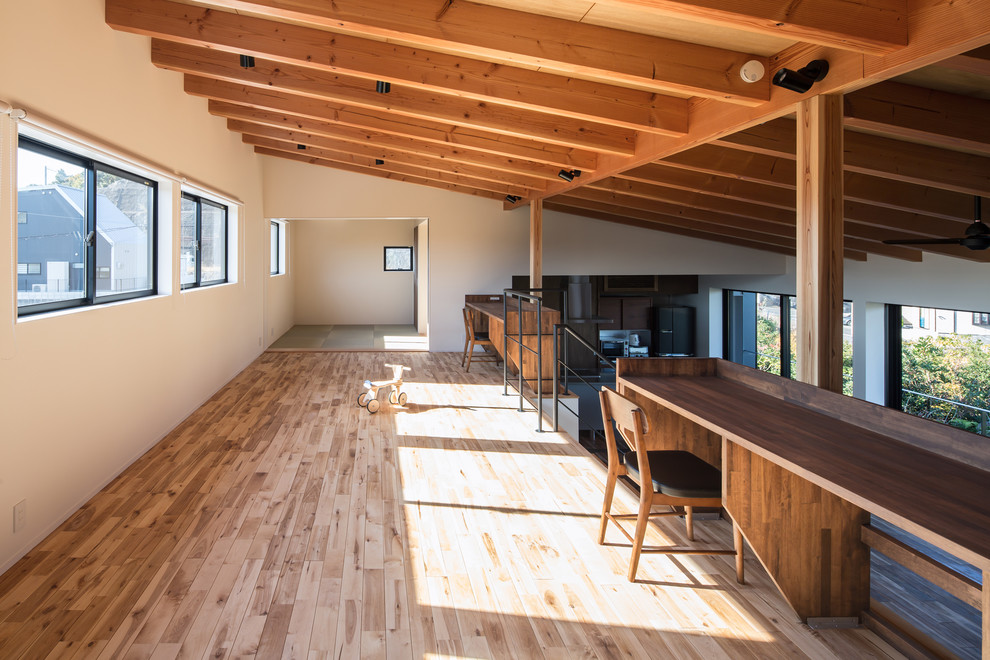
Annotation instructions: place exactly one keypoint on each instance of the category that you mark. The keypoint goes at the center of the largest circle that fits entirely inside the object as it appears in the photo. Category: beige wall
(85, 393)
(476, 247)
(339, 273)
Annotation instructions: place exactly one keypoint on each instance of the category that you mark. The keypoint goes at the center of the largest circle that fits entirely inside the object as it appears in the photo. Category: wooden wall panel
(807, 538)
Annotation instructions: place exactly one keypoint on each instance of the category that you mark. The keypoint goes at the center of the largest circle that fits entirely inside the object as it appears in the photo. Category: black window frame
(407, 248)
(91, 167)
(785, 326)
(198, 200)
(277, 270)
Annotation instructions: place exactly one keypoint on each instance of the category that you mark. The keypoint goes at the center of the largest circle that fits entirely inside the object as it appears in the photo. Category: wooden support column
(819, 241)
(986, 613)
(536, 243)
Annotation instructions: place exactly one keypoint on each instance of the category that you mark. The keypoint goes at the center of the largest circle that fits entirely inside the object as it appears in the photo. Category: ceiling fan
(977, 234)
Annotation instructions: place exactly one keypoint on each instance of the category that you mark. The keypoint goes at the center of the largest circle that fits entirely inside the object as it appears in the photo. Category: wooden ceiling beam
(730, 188)
(917, 113)
(310, 160)
(780, 171)
(599, 104)
(693, 199)
(388, 155)
(504, 145)
(879, 156)
(373, 60)
(507, 36)
(658, 225)
(423, 172)
(697, 229)
(868, 26)
(976, 62)
(287, 125)
(412, 103)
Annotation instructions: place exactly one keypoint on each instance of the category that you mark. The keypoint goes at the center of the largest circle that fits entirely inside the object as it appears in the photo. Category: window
(275, 247)
(939, 367)
(398, 259)
(203, 242)
(761, 331)
(87, 218)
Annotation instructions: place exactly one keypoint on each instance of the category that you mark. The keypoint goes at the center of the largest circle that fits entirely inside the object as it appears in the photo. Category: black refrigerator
(675, 331)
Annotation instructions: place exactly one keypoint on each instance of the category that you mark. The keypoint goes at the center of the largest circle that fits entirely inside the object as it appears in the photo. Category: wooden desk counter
(498, 325)
(803, 467)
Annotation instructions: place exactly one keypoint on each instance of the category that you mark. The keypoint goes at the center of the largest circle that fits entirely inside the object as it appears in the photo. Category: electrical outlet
(20, 515)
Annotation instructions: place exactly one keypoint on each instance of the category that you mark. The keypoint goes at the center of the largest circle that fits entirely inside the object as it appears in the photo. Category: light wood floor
(282, 521)
(352, 338)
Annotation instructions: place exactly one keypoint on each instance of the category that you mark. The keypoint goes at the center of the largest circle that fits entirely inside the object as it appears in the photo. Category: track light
(383, 87)
(512, 199)
(300, 146)
(800, 81)
(247, 62)
(379, 161)
(568, 176)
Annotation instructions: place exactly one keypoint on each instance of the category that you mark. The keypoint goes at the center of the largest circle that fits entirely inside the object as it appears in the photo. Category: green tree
(951, 367)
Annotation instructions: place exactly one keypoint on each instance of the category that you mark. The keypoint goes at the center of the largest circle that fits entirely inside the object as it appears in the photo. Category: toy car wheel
(392, 398)
(361, 399)
(403, 398)
(374, 405)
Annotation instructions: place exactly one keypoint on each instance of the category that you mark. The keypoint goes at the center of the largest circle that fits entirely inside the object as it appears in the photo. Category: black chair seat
(678, 474)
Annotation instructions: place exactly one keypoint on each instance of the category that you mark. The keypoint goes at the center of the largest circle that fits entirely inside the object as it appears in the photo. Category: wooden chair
(678, 478)
(473, 338)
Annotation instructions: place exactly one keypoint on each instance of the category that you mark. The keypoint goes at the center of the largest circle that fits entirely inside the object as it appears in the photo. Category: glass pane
(125, 234)
(213, 249)
(274, 249)
(51, 229)
(768, 332)
(847, 348)
(187, 243)
(945, 374)
(792, 303)
(398, 258)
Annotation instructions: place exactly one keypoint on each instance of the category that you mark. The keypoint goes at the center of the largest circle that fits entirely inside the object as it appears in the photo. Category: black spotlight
(568, 176)
(379, 161)
(300, 146)
(247, 61)
(512, 199)
(383, 87)
(800, 81)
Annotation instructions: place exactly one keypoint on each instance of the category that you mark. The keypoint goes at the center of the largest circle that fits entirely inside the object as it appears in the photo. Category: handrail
(984, 426)
(520, 295)
(558, 364)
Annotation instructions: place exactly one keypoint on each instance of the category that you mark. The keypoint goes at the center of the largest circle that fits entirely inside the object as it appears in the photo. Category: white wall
(84, 393)
(340, 275)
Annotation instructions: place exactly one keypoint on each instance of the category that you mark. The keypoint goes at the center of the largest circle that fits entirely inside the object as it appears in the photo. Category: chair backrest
(628, 418)
(469, 323)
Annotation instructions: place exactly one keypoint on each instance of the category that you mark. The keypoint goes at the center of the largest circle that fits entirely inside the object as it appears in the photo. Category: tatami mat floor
(352, 338)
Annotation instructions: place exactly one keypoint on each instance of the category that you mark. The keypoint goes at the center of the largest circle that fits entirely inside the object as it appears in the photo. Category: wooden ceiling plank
(374, 151)
(648, 112)
(657, 225)
(879, 156)
(976, 62)
(412, 103)
(779, 171)
(687, 214)
(694, 199)
(390, 166)
(745, 191)
(939, 118)
(453, 153)
(507, 36)
(494, 143)
(372, 172)
(868, 26)
(901, 252)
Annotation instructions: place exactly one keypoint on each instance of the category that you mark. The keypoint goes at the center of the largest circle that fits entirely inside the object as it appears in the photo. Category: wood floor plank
(281, 520)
